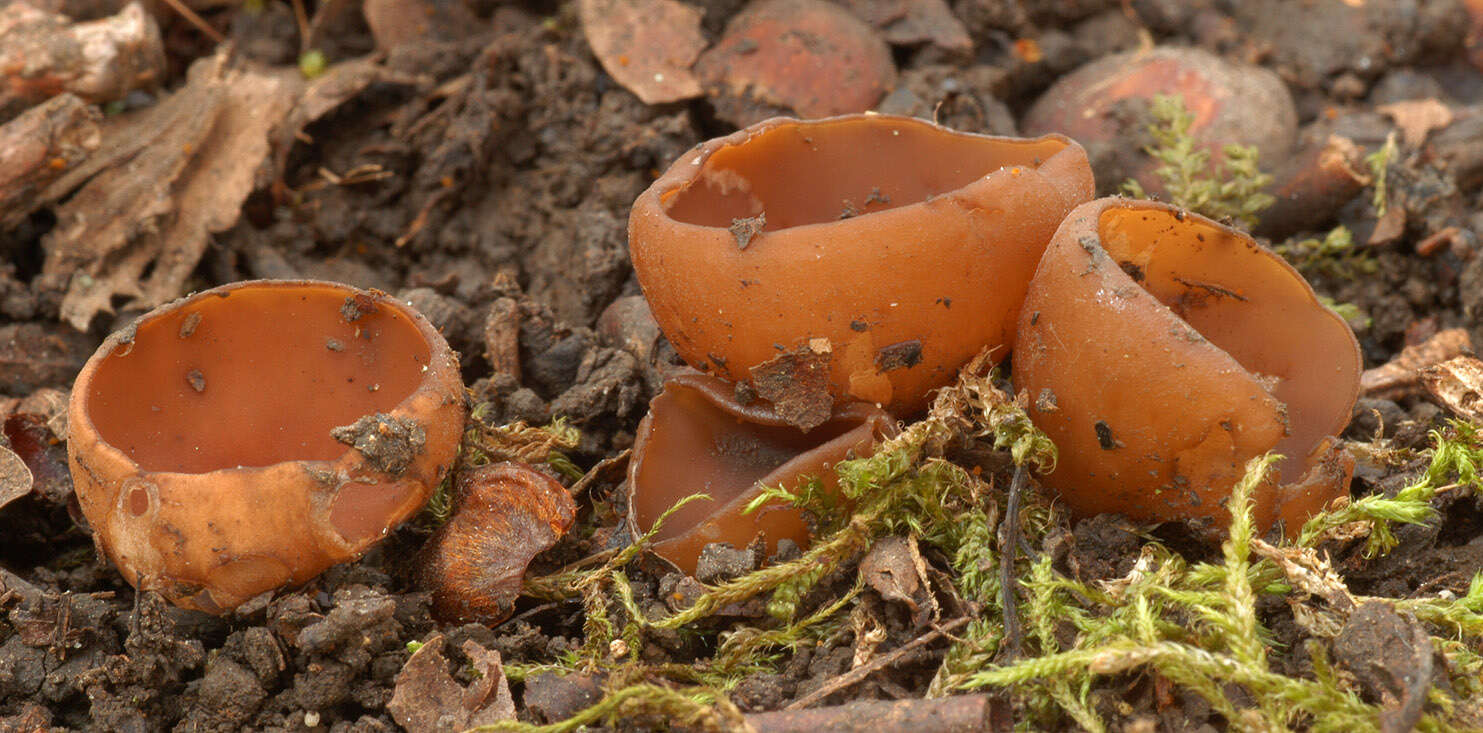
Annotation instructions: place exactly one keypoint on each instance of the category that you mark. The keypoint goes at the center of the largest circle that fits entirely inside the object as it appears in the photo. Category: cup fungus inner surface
(699, 448)
(254, 376)
(818, 172)
(1254, 308)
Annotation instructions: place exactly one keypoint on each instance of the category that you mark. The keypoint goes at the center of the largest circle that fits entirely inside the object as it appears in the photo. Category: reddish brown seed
(220, 451)
(897, 248)
(698, 439)
(1162, 351)
(503, 516)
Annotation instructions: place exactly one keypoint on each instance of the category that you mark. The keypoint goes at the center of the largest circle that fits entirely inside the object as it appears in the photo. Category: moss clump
(1231, 189)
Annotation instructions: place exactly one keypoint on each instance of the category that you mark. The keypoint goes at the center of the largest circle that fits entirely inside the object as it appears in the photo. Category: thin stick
(865, 670)
(196, 20)
(1009, 541)
(301, 18)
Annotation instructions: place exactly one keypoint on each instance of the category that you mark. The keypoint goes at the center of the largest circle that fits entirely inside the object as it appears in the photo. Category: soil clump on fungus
(478, 161)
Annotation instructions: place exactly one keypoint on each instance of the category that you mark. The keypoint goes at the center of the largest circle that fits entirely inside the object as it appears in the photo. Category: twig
(301, 18)
(919, 715)
(1009, 541)
(865, 670)
(196, 20)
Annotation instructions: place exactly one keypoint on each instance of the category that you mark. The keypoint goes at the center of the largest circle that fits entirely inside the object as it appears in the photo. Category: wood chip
(1458, 384)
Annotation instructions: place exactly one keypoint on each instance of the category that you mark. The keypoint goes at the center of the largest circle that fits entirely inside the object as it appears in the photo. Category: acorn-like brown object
(248, 437)
(896, 248)
(1161, 351)
(504, 515)
(1100, 105)
(698, 439)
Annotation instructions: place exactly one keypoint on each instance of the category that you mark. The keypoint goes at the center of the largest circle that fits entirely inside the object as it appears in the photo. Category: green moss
(1230, 188)
(1335, 255)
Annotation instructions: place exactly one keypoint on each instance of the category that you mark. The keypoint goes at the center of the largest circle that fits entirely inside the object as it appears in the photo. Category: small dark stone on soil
(720, 561)
(551, 697)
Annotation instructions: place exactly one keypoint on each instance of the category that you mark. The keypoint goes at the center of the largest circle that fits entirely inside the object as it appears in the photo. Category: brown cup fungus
(1161, 351)
(248, 437)
(697, 439)
(893, 247)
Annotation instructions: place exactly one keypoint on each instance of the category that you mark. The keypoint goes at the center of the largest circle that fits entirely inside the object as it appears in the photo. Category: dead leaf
(166, 179)
(15, 478)
(888, 568)
(428, 699)
(797, 384)
(37, 147)
(648, 46)
(1458, 384)
(395, 22)
(1401, 375)
(1417, 118)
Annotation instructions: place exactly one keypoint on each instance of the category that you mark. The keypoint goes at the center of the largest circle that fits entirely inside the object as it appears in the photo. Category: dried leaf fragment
(15, 478)
(1417, 118)
(1458, 384)
(37, 147)
(1401, 375)
(648, 46)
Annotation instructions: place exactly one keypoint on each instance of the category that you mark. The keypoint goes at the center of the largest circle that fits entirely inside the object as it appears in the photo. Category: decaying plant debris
(481, 165)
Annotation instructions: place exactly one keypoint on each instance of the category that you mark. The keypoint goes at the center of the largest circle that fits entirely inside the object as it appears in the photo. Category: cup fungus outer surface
(907, 246)
(698, 439)
(250, 436)
(1161, 351)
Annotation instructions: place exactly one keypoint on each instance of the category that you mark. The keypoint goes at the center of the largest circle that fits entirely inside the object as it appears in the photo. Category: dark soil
(511, 159)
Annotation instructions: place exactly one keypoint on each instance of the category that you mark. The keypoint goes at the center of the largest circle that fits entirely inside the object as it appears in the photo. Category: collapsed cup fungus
(504, 514)
(1161, 351)
(900, 247)
(698, 439)
(250, 436)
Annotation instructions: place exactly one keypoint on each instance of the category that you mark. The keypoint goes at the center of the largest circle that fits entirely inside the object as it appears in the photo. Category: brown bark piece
(1458, 384)
(648, 46)
(1402, 376)
(37, 147)
(43, 54)
(395, 22)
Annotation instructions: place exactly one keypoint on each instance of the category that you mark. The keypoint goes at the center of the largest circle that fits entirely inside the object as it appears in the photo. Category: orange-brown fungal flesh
(697, 439)
(250, 436)
(906, 247)
(504, 515)
(1161, 351)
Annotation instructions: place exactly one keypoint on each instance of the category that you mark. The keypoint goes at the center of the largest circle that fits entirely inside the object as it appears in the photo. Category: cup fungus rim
(677, 177)
(883, 425)
(1087, 220)
(80, 422)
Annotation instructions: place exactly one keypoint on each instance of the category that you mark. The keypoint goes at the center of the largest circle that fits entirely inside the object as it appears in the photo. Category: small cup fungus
(902, 247)
(698, 439)
(250, 436)
(1161, 351)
